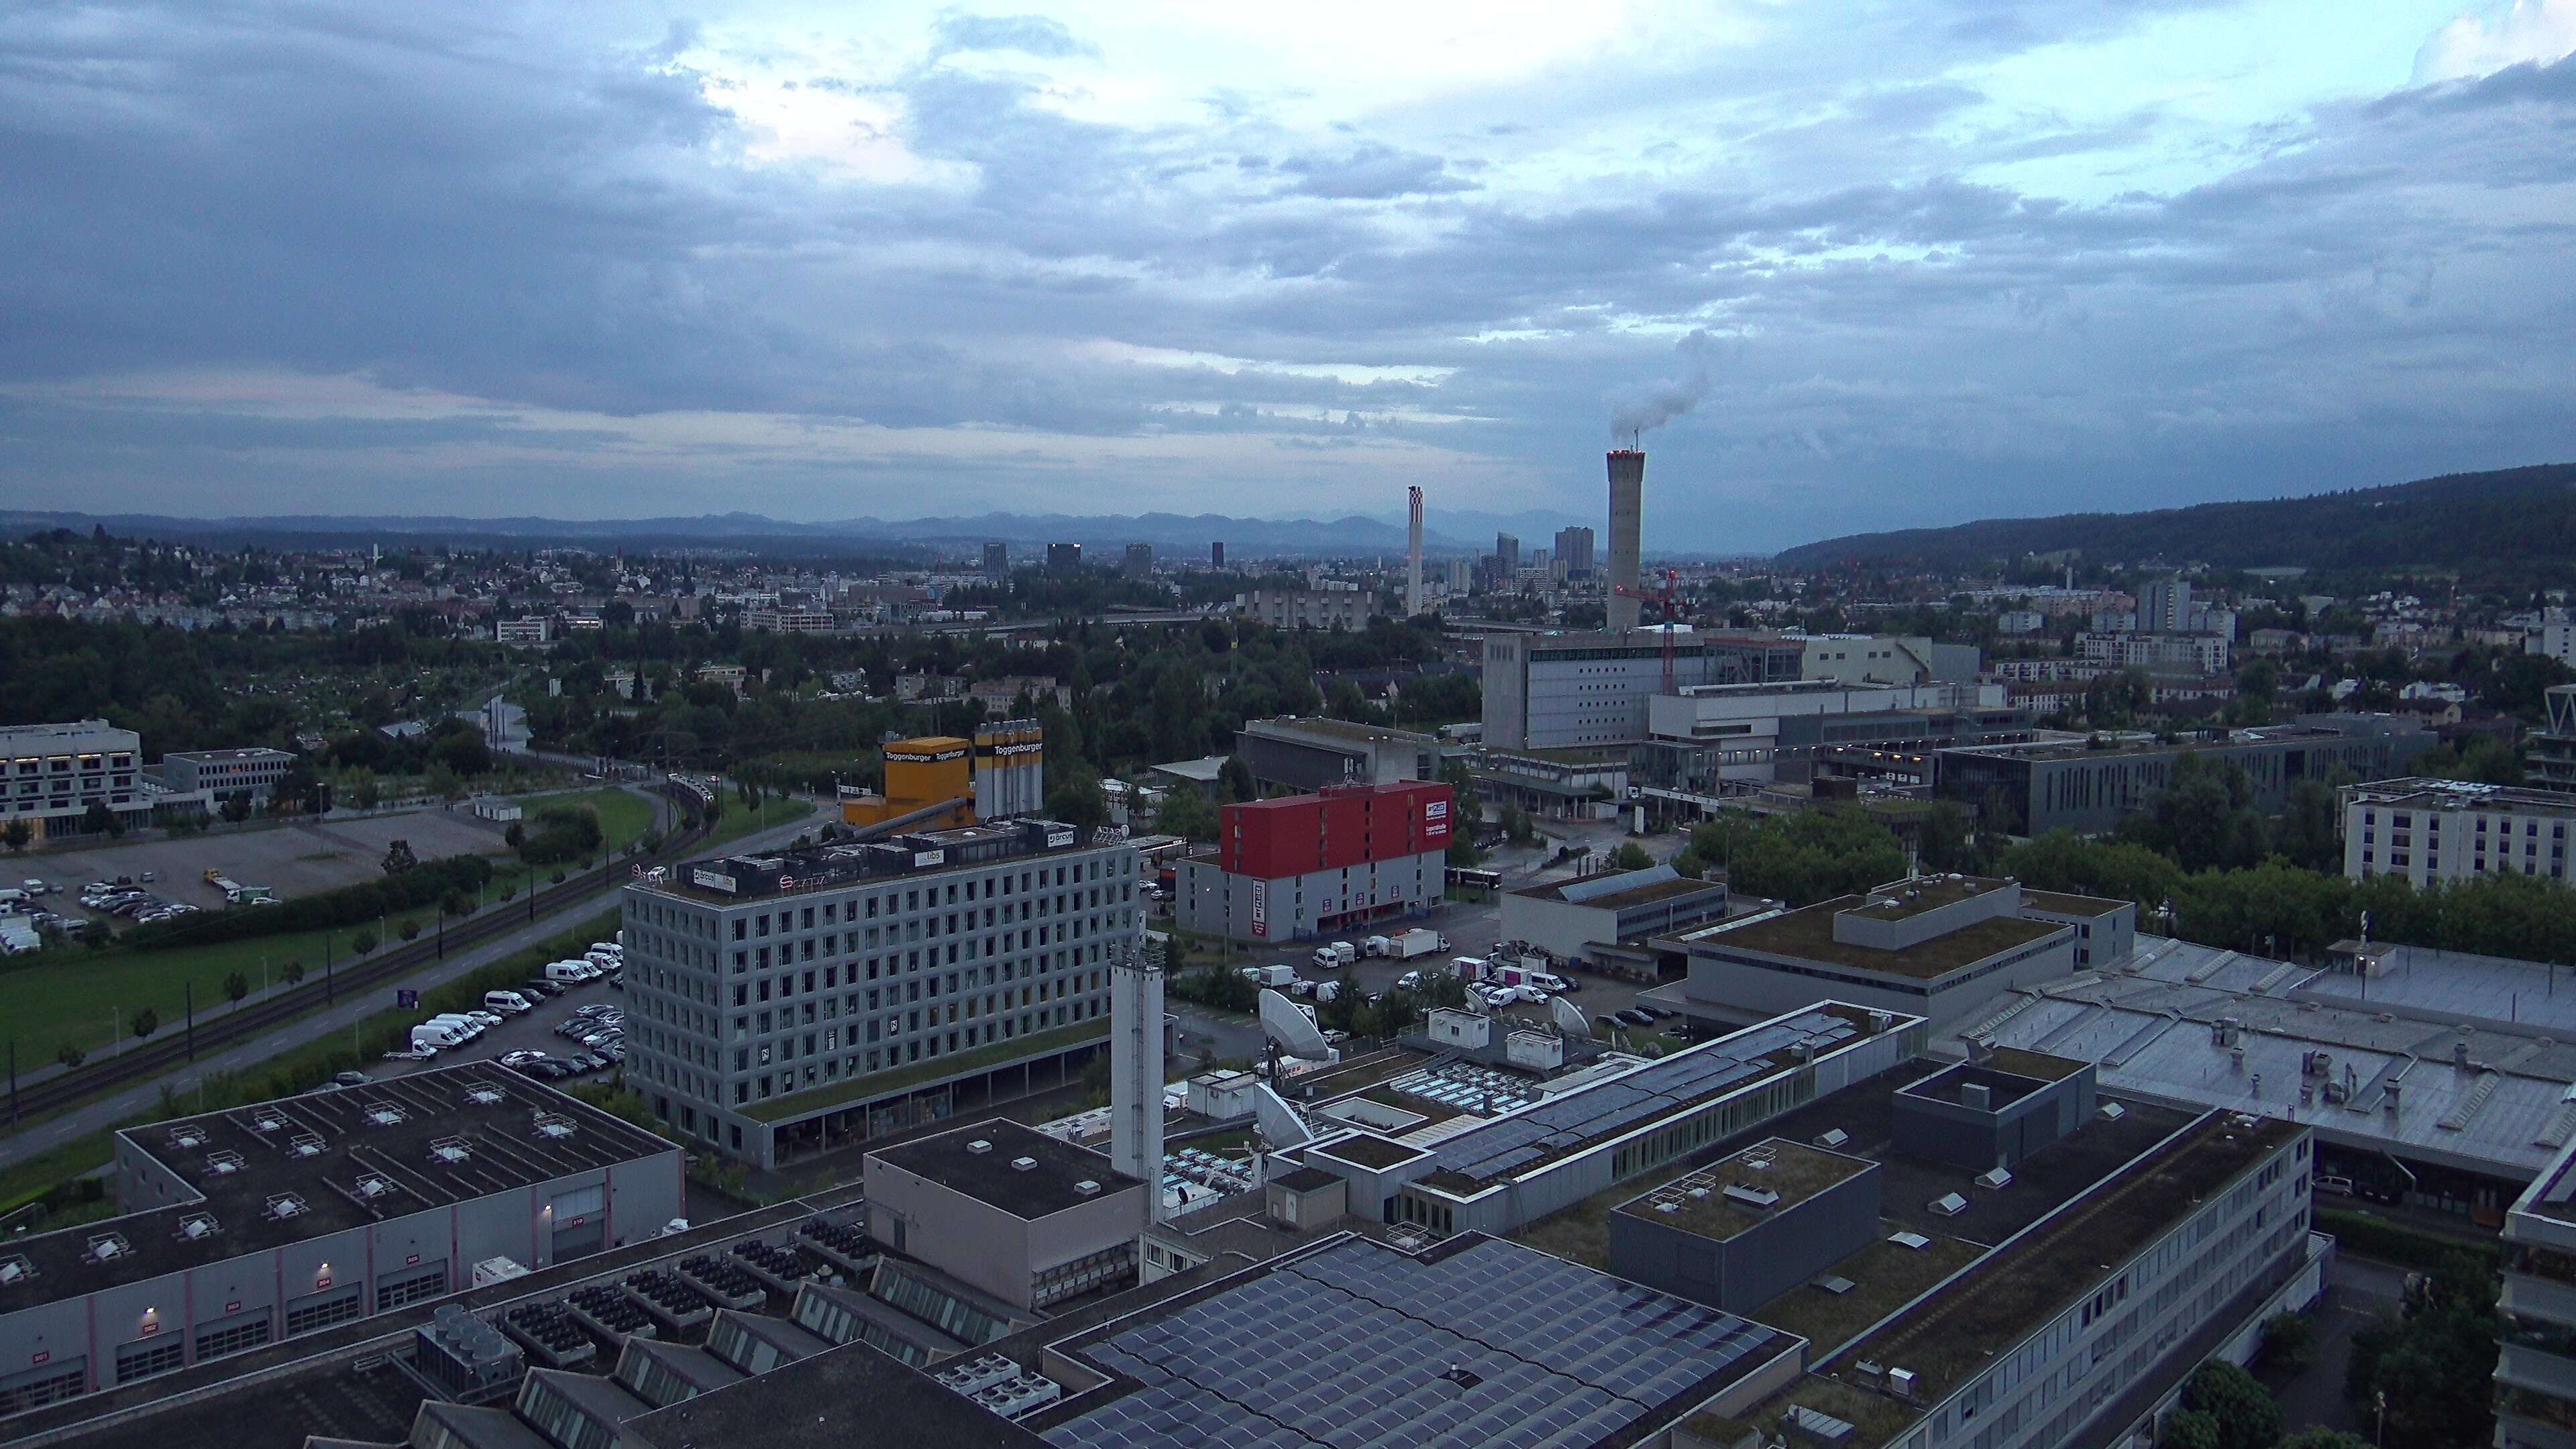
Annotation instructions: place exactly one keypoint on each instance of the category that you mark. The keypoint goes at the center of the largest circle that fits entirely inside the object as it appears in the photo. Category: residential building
(2431, 830)
(2164, 606)
(1304, 754)
(2552, 634)
(56, 772)
(1935, 947)
(1567, 919)
(788, 621)
(1008, 1210)
(1063, 558)
(997, 562)
(1574, 553)
(1307, 865)
(262, 1224)
(1306, 608)
(780, 1002)
(1001, 696)
(1507, 555)
(254, 770)
(2092, 785)
(1140, 560)
(1555, 690)
(1216, 554)
(2535, 1372)
(2205, 653)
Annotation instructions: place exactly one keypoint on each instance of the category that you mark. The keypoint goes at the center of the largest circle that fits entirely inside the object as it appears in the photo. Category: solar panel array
(1516, 1141)
(1360, 1346)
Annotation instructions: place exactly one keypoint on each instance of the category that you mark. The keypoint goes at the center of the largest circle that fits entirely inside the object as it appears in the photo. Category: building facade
(1559, 690)
(223, 773)
(2549, 758)
(2448, 830)
(997, 562)
(780, 1002)
(1290, 753)
(1306, 608)
(2535, 1373)
(2053, 785)
(1566, 918)
(1574, 553)
(1308, 865)
(1715, 739)
(56, 772)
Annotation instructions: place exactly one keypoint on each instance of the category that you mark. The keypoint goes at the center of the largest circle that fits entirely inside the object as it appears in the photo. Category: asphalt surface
(131, 1102)
(2358, 1290)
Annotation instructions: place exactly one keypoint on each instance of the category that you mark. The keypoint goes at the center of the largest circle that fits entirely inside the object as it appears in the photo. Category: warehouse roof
(1016, 1168)
(1808, 935)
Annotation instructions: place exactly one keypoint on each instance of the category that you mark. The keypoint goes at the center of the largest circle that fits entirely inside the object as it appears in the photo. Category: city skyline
(1906, 265)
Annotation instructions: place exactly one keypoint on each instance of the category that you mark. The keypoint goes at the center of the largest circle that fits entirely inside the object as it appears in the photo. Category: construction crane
(1670, 597)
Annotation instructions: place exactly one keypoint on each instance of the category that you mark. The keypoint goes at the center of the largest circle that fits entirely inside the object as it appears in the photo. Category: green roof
(1808, 935)
(934, 1069)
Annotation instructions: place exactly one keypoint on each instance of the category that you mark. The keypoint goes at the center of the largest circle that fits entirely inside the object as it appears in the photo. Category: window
(234, 1337)
(148, 1357)
(339, 1309)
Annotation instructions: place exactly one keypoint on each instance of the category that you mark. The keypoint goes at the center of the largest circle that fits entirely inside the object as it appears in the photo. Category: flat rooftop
(1338, 729)
(1620, 900)
(2070, 905)
(282, 1172)
(218, 757)
(1018, 1169)
(1477, 1342)
(844, 1398)
(735, 879)
(1808, 935)
(1698, 1203)
(2012, 1292)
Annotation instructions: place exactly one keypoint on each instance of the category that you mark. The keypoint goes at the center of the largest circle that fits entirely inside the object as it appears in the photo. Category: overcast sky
(1881, 262)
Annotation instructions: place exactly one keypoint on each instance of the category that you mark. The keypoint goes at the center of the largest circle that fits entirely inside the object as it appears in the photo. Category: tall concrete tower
(1136, 1070)
(1413, 558)
(1627, 509)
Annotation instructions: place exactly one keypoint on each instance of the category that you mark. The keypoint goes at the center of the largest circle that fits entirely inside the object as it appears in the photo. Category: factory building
(263, 1224)
(998, 774)
(1310, 865)
(1556, 690)
(1009, 1211)
(1710, 741)
(2087, 787)
(1306, 754)
(783, 1004)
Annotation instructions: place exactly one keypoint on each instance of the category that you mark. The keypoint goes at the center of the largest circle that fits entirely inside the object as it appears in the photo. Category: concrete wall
(1562, 928)
(1295, 908)
(1945, 1130)
(2100, 941)
(1757, 1265)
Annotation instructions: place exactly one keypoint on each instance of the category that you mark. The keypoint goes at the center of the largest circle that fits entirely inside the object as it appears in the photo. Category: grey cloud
(1372, 173)
(1029, 34)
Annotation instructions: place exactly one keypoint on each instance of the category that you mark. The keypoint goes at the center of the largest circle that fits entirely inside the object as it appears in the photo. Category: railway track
(148, 1059)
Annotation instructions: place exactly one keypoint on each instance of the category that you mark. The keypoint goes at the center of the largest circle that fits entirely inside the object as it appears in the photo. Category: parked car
(539, 986)
(521, 1057)
(351, 1079)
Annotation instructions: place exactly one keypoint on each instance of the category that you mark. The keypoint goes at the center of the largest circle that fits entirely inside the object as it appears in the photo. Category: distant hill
(2513, 516)
(1172, 535)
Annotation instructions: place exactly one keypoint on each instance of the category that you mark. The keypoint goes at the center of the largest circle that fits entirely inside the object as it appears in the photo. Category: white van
(571, 973)
(508, 1003)
(431, 1039)
(465, 1027)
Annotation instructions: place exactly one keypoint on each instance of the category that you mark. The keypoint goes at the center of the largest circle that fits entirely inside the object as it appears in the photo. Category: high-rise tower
(1627, 508)
(1413, 558)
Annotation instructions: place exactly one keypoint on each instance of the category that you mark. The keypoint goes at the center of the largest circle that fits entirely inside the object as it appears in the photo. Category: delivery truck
(1416, 942)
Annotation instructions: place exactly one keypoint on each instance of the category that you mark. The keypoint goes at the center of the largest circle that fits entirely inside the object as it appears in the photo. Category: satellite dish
(1288, 1028)
(1569, 1017)
(1280, 1127)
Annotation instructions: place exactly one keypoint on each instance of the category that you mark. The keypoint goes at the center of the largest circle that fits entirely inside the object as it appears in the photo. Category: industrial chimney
(1627, 507)
(1413, 559)
(1136, 1070)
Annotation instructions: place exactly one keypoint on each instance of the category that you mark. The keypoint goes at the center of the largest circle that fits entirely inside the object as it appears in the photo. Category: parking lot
(534, 1031)
(292, 860)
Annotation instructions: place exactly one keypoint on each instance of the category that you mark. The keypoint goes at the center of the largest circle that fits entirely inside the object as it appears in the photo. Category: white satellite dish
(1281, 1128)
(1569, 1017)
(1288, 1027)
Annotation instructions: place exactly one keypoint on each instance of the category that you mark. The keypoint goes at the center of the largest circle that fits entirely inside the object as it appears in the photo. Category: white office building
(57, 771)
(2446, 830)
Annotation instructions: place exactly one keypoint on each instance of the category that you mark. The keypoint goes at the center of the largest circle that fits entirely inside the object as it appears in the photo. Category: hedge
(425, 884)
(2396, 1243)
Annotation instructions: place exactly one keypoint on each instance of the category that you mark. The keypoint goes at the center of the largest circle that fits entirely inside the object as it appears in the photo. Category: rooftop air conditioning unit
(1900, 1382)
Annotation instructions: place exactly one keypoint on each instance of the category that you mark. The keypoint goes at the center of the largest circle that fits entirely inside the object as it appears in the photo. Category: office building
(1310, 865)
(1568, 919)
(2549, 752)
(1507, 555)
(1627, 520)
(1009, 1211)
(1555, 690)
(2451, 830)
(56, 772)
(997, 562)
(1574, 553)
(2056, 1303)
(253, 771)
(531, 630)
(779, 1004)
(268, 1223)
(787, 621)
(1140, 560)
(2088, 787)
(1306, 754)
(1711, 740)
(2535, 1372)
(1306, 608)
(1216, 554)
(1063, 558)
(1461, 575)
(1935, 947)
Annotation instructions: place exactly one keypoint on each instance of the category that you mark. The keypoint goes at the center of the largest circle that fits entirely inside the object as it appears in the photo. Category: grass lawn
(23, 1182)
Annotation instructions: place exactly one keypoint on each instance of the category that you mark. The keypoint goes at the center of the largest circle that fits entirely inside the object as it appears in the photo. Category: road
(2358, 1290)
(135, 1101)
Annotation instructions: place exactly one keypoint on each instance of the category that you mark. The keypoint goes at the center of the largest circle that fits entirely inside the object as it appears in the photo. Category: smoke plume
(1659, 403)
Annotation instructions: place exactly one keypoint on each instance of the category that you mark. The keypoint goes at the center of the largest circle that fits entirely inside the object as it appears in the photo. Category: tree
(515, 836)
(2318, 1436)
(1187, 814)
(292, 972)
(235, 808)
(99, 820)
(411, 928)
(2204, 817)
(509, 889)
(2243, 1410)
(1630, 856)
(236, 986)
(71, 1056)
(1463, 852)
(1073, 797)
(1946, 839)
(1801, 859)
(18, 834)
(1236, 780)
(2190, 1429)
(2289, 1342)
(363, 943)
(145, 1022)
(398, 858)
